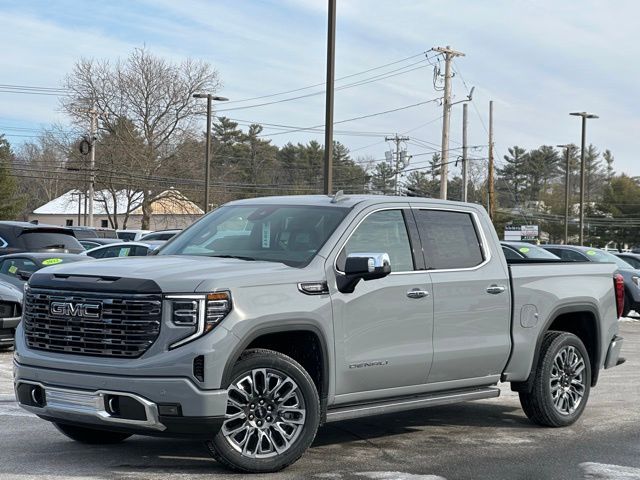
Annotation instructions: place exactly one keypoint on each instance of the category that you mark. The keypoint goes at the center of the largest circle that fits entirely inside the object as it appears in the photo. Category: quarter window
(384, 231)
(449, 239)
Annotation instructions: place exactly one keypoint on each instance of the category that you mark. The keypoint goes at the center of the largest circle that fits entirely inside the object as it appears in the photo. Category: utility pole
(566, 193)
(465, 166)
(584, 116)
(449, 55)
(328, 119)
(397, 139)
(491, 193)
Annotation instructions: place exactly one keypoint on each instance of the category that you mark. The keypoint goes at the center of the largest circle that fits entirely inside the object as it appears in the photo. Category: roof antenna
(339, 196)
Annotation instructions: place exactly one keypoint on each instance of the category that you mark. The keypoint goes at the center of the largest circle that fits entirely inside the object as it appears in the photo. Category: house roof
(168, 202)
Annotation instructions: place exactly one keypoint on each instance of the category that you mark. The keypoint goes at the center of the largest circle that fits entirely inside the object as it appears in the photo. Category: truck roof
(345, 200)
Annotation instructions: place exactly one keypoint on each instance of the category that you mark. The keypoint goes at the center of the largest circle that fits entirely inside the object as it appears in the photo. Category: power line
(324, 83)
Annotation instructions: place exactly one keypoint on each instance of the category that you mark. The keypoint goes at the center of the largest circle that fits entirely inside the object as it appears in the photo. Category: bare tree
(154, 95)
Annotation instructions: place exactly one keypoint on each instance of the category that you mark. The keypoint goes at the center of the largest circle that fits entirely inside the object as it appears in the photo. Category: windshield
(533, 251)
(606, 257)
(275, 233)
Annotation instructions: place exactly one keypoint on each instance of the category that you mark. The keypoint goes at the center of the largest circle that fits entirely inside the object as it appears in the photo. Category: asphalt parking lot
(489, 439)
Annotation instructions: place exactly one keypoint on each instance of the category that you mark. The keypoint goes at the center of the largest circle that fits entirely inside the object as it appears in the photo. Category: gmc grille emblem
(70, 309)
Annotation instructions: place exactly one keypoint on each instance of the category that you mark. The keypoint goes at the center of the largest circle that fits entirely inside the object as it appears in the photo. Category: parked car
(132, 235)
(520, 250)
(329, 309)
(10, 311)
(123, 249)
(632, 259)
(90, 243)
(22, 265)
(631, 275)
(28, 237)
(160, 235)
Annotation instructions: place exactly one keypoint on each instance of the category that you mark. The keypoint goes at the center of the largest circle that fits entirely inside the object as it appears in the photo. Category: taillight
(618, 284)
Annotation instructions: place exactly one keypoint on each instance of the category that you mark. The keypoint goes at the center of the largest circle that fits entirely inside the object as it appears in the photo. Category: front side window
(381, 232)
(449, 239)
(511, 254)
(290, 234)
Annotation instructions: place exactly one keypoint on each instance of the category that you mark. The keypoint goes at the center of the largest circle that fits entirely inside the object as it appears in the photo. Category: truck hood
(171, 273)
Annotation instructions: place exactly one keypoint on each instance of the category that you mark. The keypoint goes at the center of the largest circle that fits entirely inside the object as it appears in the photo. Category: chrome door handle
(417, 293)
(495, 289)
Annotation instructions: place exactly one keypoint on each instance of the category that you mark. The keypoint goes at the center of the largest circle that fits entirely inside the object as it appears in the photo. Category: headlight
(636, 280)
(200, 313)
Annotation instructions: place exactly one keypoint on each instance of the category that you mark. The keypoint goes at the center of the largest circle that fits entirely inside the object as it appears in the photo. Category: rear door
(471, 336)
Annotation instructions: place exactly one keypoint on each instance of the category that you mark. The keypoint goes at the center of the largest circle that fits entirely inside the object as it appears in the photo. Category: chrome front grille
(126, 326)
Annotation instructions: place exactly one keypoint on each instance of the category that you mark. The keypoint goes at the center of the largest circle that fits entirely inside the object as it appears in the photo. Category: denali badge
(373, 363)
(70, 309)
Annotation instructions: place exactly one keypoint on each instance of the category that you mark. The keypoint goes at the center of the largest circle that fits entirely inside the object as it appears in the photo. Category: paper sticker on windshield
(524, 249)
(13, 269)
(51, 261)
(592, 252)
(266, 235)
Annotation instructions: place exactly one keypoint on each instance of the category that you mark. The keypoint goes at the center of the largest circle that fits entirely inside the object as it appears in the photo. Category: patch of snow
(398, 476)
(603, 471)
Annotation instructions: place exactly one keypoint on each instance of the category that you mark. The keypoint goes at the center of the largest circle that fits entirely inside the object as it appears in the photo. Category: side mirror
(363, 266)
(24, 275)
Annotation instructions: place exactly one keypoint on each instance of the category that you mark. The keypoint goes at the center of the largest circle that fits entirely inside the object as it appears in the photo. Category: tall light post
(567, 147)
(207, 151)
(584, 116)
(328, 116)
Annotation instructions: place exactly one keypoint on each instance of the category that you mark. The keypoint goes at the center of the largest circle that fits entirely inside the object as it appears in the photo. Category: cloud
(537, 60)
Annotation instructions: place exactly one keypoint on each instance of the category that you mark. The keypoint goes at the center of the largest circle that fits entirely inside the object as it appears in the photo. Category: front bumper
(613, 353)
(130, 404)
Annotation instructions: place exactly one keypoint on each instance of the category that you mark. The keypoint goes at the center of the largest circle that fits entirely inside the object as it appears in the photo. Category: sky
(537, 60)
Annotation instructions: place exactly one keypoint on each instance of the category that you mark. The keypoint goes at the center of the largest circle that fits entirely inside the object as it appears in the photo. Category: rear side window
(449, 239)
(634, 262)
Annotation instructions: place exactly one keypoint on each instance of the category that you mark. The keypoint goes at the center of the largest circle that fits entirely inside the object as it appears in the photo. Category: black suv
(18, 237)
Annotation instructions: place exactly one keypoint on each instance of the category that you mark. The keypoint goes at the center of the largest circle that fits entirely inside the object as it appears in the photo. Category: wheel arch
(280, 338)
(582, 320)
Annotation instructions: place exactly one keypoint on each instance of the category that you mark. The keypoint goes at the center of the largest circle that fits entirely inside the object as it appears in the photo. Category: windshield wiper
(238, 257)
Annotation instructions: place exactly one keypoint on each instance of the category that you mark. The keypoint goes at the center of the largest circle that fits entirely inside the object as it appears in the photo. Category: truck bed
(543, 290)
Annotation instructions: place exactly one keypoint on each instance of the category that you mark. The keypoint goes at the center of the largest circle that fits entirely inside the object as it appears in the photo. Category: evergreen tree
(10, 202)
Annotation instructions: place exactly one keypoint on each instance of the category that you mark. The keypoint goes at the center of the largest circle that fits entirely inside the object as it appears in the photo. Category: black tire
(274, 363)
(539, 404)
(91, 436)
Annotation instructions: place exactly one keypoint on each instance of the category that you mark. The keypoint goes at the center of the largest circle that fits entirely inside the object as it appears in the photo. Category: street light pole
(584, 116)
(566, 194)
(328, 116)
(207, 151)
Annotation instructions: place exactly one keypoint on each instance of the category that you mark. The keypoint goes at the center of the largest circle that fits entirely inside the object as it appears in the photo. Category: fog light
(170, 410)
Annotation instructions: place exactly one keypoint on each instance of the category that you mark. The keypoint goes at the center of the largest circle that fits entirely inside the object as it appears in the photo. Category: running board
(409, 403)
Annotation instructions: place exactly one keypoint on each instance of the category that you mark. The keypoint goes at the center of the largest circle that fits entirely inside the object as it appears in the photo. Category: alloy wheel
(567, 382)
(265, 413)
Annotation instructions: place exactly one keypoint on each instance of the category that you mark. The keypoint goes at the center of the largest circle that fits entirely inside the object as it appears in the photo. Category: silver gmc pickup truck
(271, 316)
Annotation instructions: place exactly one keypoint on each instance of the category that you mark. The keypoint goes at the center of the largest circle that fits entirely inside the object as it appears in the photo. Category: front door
(383, 334)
